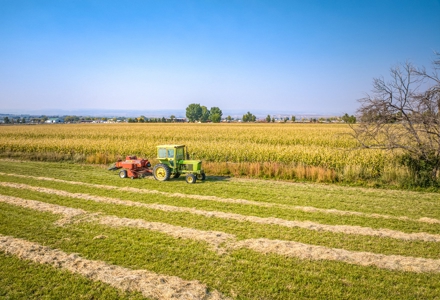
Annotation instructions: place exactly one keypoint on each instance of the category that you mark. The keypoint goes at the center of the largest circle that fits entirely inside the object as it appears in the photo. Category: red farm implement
(133, 167)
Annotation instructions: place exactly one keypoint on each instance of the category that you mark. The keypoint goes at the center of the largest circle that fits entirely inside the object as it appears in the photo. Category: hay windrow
(148, 283)
(345, 229)
(235, 201)
(312, 252)
(429, 220)
(223, 242)
(213, 238)
(68, 213)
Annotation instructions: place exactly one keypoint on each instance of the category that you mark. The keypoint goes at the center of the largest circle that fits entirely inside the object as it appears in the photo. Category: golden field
(327, 147)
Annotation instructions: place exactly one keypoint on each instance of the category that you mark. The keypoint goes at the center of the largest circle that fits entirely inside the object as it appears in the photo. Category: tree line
(200, 113)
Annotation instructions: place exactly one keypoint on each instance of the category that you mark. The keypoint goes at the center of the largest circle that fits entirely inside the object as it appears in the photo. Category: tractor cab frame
(174, 161)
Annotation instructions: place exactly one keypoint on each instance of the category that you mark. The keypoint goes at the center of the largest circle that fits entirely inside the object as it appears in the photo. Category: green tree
(6, 120)
(348, 119)
(205, 114)
(249, 117)
(293, 118)
(216, 114)
(194, 112)
(216, 118)
(229, 118)
(268, 119)
(172, 117)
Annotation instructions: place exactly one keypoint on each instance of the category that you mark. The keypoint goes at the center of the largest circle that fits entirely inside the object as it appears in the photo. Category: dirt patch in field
(148, 283)
(311, 252)
(345, 229)
(235, 201)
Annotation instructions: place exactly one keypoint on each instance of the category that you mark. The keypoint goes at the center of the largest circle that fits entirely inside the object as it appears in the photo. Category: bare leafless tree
(404, 113)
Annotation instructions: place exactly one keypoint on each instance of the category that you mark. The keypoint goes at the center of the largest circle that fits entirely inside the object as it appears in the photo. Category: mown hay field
(79, 231)
(286, 151)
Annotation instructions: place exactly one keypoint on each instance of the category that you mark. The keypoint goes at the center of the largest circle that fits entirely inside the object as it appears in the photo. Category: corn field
(327, 146)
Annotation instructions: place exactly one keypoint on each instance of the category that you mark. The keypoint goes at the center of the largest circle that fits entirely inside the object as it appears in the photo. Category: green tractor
(173, 162)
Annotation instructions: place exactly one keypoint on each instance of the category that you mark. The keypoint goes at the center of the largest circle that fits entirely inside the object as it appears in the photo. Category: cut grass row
(20, 279)
(150, 284)
(243, 230)
(221, 242)
(395, 203)
(346, 229)
(307, 209)
(405, 225)
(242, 273)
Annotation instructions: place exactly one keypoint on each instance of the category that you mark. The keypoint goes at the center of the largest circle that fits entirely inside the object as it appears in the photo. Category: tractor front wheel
(123, 174)
(190, 178)
(161, 172)
(201, 176)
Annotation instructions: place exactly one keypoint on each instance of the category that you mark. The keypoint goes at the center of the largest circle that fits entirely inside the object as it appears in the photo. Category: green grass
(242, 274)
(397, 203)
(243, 230)
(251, 210)
(26, 280)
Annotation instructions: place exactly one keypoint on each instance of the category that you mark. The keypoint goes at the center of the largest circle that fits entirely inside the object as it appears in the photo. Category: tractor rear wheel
(190, 178)
(161, 172)
(123, 174)
(201, 176)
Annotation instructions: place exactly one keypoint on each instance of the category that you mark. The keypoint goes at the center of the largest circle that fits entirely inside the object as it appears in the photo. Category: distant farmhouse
(54, 120)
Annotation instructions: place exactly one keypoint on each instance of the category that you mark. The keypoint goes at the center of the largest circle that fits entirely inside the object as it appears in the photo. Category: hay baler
(133, 167)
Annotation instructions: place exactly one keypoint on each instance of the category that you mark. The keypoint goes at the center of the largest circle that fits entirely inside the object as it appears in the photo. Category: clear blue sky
(296, 56)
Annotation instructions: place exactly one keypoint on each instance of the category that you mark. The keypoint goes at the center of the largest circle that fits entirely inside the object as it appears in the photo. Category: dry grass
(233, 200)
(311, 252)
(227, 241)
(73, 215)
(148, 283)
(346, 229)
(291, 171)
